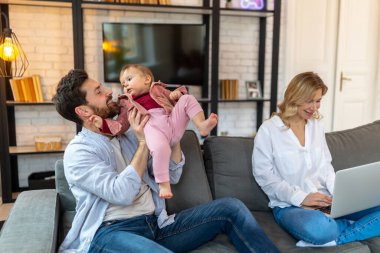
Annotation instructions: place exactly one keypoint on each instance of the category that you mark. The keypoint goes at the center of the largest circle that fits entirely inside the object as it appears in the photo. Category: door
(357, 51)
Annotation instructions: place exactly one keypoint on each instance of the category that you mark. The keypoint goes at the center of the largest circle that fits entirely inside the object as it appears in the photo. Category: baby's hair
(144, 70)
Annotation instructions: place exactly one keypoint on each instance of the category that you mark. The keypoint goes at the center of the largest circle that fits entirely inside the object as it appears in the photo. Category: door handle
(343, 78)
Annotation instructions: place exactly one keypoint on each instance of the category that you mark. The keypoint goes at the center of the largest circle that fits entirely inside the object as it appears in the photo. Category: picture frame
(253, 89)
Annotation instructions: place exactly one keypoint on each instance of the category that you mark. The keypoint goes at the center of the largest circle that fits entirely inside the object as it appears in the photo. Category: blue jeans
(315, 227)
(192, 228)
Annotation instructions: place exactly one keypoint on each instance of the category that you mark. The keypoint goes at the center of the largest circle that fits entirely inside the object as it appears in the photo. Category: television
(176, 53)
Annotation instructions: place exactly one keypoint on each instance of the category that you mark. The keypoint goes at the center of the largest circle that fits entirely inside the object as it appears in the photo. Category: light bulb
(8, 51)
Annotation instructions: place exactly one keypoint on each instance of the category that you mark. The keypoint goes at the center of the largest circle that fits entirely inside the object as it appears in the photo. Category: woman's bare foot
(165, 190)
(207, 125)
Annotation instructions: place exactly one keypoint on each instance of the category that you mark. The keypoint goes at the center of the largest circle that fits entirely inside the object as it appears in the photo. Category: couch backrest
(354, 147)
(66, 198)
(193, 188)
(228, 163)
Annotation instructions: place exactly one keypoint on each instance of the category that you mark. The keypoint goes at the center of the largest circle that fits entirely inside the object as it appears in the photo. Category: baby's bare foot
(165, 190)
(206, 126)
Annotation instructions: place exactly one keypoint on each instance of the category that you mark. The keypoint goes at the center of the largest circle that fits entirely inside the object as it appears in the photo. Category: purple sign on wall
(252, 4)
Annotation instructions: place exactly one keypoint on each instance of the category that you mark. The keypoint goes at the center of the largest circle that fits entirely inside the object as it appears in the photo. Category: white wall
(312, 40)
(46, 35)
(311, 34)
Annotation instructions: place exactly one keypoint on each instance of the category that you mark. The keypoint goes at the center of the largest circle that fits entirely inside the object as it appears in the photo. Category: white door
(357, 51)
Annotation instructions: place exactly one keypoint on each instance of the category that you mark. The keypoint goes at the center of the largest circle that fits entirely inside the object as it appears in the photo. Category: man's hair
(143, 69)
(69, 95)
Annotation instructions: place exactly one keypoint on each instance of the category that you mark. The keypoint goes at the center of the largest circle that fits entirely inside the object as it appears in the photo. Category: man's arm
(140, 158)
(87, 167)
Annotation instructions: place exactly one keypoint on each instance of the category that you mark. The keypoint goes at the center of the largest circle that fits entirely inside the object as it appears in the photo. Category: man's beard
(110, 111)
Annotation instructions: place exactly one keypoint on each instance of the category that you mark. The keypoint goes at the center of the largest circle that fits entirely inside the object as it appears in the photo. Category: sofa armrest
(32, 224)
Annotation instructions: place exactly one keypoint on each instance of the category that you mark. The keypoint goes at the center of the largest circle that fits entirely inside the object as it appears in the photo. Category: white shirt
(287, 171)
(143, 203)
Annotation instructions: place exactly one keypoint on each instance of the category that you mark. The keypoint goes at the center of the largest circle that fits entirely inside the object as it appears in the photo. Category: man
(117, 203)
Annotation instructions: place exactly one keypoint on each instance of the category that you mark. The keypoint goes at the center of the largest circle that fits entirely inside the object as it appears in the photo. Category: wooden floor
(5, 208)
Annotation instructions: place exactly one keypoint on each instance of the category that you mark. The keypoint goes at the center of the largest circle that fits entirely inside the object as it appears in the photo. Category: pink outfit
(165, 126)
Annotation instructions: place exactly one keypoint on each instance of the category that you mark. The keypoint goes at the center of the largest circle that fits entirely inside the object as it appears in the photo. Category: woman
(292, 164)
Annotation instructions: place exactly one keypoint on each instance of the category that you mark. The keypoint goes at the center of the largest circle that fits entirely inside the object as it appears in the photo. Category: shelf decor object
(13, 61)
(253, 89)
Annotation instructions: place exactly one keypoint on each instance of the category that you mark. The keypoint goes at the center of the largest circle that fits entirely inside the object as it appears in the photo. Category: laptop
(355, 189)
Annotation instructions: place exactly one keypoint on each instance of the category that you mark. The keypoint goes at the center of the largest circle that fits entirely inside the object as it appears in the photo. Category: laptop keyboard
(325, 209)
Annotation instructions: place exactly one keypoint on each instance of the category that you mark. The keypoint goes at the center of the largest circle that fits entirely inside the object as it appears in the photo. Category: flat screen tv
(174, 52)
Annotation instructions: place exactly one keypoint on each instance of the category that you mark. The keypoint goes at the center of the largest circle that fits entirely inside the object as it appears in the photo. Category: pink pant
(163, 130)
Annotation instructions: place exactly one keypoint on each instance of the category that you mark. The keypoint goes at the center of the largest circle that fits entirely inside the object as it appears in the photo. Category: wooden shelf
(242, 100)
(246, 13)
(207, 100)
(147, 8)
(55, 3)
(30, 150)
(14, 103)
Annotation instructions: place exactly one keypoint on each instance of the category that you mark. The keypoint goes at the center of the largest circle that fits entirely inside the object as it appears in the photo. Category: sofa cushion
(354, 147)
(228, 163)
(66, 220)
(193, 188)
(31, 221)
(66, 198)
(221, 244)
(373, 244)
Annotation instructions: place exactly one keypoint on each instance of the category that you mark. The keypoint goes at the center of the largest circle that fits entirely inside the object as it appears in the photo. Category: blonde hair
(300, 90)
(144, 70)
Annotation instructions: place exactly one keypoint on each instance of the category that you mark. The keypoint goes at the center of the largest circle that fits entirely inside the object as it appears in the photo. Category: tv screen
(174, 52)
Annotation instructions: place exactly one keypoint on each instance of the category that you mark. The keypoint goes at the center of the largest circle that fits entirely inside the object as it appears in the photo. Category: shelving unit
(10, 151)
(262, 15)
(211, 13)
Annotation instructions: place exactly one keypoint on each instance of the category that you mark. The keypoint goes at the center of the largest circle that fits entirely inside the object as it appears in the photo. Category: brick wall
(46, 35)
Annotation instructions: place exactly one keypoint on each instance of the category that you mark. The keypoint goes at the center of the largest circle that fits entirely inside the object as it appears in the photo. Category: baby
(170, 113)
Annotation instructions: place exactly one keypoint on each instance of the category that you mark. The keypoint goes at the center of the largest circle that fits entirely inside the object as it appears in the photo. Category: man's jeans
(192, 228)
(315, 227)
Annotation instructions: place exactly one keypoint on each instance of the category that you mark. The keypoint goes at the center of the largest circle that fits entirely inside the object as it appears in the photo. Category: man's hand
(175, 95)
(137, 122)
(317, 199)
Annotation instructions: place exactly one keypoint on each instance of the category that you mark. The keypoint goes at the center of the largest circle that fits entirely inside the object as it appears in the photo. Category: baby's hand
(175, 95)
(96, 120)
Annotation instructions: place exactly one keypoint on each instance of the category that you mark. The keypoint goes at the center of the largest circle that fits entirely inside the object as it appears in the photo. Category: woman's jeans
(315, 227)
(192, 228)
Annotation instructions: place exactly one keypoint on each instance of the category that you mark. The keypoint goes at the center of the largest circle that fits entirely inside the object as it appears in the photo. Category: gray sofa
(40, 218)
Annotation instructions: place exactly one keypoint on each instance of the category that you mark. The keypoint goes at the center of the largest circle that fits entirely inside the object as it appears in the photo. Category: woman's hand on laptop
(316, 199)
